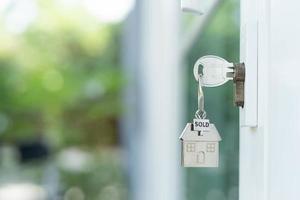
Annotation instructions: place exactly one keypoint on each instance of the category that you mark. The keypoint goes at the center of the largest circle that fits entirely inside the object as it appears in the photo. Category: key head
(214, 71)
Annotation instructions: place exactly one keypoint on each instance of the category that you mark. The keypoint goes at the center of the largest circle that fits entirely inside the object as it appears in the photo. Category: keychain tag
(200, 150)
(201, 125)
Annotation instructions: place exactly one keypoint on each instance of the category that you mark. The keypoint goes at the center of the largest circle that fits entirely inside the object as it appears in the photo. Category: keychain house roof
(189, 134)
(200, 149)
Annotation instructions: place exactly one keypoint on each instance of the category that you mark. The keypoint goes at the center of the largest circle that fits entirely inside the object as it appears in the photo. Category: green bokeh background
(61, 85)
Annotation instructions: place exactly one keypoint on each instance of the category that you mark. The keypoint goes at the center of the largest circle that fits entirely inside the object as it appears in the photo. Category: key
(215, 71)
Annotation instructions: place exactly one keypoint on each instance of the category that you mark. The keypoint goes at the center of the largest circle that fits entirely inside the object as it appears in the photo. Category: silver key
(215, 71)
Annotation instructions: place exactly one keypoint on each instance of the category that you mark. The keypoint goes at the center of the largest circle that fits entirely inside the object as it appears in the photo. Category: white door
(269, 125)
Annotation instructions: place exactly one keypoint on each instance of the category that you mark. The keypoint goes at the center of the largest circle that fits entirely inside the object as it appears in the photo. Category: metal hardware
(200, 113)
(200, 149)
(239, 80)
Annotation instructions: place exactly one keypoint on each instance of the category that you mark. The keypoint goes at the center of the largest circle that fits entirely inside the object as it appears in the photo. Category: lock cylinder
(239, 81)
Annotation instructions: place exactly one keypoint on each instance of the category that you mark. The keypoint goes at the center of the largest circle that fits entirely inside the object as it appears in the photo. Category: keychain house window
(210, 147)
(190, 147)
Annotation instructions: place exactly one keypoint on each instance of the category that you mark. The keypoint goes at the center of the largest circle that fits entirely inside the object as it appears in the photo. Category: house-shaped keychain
(200, 148)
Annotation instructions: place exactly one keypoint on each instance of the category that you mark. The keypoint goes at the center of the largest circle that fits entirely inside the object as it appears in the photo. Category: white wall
(269, 153)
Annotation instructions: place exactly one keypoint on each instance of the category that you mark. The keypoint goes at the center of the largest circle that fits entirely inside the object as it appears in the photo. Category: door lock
(239, 80)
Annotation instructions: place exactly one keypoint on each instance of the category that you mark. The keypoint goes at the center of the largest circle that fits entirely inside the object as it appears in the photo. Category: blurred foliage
(72, 174)
(60, 78)
(61, 83)
(220, 37)
(102, 180)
